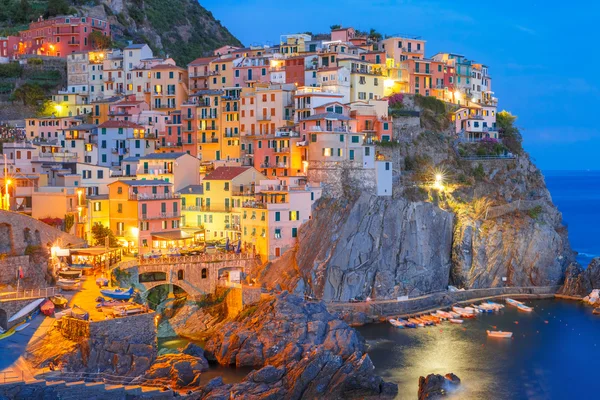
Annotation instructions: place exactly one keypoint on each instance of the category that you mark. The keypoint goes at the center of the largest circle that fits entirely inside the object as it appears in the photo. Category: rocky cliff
(492, 224)
(299, 350)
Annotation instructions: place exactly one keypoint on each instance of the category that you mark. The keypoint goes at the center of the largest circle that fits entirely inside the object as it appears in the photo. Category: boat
(395, 323)
(47, 308)
(499, 334)
(406, 323)
(495, 305)
(69, 274)
(118, 294)
(472, 310)
(26, 310)
(64, 313)
(483, 308)
(111, 303)
(523, 307)
(130, 309)
(59, 300)
(11, 331)
(513, 302)
(21, 327)
(68, 284)
(456, 320)
(79, 313)
(416, 322)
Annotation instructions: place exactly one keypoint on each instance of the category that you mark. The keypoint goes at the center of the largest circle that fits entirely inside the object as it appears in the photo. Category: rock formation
(299, 349)
(437, 386)
(580, 282)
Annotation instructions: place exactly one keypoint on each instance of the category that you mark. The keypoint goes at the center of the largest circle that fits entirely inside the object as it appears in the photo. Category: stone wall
(334, 177)
(8, 308)
(74, 329)
(238, 298)
(9, 268)
(406, 129)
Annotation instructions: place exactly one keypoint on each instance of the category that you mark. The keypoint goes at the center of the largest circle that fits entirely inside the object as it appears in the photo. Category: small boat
(395, 323)
(456, 320)
(118, 293)
(64, 313)
(495, 305)
(483, 308)
(26, 310)
(70, 274)
(111, 303)
(523, 307)
(406, 323)
(130, 309)
(59, 300)
(47, 308)
(513, 302)
(416, 322)
(11, 331)
(68, 284)
(499, 334)
(472, 310)
(79, 313)
(21, 327)
(454, 314)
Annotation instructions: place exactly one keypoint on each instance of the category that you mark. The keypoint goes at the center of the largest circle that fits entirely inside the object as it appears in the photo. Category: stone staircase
(41, 389)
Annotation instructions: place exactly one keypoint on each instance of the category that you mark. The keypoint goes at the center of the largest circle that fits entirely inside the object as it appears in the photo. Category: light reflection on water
(540, 361)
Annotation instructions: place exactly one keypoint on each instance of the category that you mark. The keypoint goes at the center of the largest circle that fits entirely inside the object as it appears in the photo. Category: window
(342, 138)
(97, 206)
(313, 137)
(277, 216)
(204, 273)
(294, 232)
(355, 139)
(294, 215)
(207, 186)
(351, 156)
(387, 166)
(367, 151)
(385, 126)
(180, 275)
(226, 188)
(119, 190)
(119, 208)
(277, 233)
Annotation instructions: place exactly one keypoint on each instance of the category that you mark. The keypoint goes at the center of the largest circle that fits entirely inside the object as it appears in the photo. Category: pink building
(251, 70)
(343, 34)
(47, 128)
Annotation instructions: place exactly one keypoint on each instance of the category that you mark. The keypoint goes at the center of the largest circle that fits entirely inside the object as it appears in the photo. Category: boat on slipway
(26, 310)
(118, 294)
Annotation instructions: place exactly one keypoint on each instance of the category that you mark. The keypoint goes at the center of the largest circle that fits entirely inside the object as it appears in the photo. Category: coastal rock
(179, 370)
(577, 282)
(437, 386)
(300, 350)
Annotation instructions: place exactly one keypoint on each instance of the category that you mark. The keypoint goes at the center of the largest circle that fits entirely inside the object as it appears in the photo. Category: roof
(162, 156)
(167, 66)
(136, 46)
(207, 92)
(202, 61)
(82, 127)
(192, 189)
(327, 115)
(143, 182)
(129, 159)
(120, 124)
(171, 235)
(225, 173)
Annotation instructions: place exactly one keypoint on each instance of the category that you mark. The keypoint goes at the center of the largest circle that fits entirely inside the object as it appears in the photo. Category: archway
(159, 294)
(3, 319)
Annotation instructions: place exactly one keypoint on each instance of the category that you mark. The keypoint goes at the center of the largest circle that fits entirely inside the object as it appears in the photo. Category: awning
(172, 235)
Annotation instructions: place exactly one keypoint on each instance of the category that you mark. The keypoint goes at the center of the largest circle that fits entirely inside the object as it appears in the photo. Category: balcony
(263, 118)
(161, 215)
(109, 79)
(275, 165)
(204, 74)
(169, 145)
(281, 150)
(153, 196)
(208, 209)
(341, 129)
(421, 72)
(209, 140)
(153, 171)
(412, 51)
(74, 43)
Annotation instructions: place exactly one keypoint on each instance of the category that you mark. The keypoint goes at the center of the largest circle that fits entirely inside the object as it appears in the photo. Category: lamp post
(7, 182)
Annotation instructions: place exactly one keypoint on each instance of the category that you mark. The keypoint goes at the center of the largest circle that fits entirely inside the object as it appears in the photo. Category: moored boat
(513, 302)
(130, 309)
(416, 322)
(499, 334)
(47, 308)
(396, 323)
(59, 300)
(118, 294)
(21, 327)
(456, 320)
(70, 274)
(68, 284)
(523, 307)
(26, 310)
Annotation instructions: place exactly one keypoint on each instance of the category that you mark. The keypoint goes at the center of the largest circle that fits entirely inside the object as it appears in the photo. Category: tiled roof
(144, 182)
(162, 156)
(136, 46)
(120, 124)
(327, 115)
(225, 173)
(167, 66)
(201, 61)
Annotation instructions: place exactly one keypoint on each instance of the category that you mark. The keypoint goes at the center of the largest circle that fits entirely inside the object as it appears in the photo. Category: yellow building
(221, 73)
(98, 211)
(366, 79)
(217, 208)
(230, 125)
(168, 86)
(294, 43)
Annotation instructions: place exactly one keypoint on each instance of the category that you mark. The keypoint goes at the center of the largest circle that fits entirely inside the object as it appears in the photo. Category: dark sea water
(577, 196)
(554, 360)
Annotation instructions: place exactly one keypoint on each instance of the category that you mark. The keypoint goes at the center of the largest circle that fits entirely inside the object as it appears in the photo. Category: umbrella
(239, 246)
(227, 244)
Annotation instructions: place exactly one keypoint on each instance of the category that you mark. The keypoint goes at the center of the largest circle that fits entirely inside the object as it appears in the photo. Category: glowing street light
(439, 180)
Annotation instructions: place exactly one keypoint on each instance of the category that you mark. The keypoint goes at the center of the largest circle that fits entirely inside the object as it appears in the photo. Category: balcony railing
(162, 215)
(411, 50)
(281, 150)
(153, 196)
(210, 140)
(208, 208)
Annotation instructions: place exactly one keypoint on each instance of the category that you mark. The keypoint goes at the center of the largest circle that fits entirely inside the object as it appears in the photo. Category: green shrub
(478, 172)
(10, 70)
(535, 212)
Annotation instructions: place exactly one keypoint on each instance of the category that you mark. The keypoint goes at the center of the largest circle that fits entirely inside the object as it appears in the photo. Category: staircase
(40, 389)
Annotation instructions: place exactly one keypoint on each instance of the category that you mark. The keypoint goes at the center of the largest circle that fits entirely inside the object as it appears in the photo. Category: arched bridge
(197, 275)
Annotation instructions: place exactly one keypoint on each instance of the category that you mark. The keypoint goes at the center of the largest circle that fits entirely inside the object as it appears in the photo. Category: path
(86, 298)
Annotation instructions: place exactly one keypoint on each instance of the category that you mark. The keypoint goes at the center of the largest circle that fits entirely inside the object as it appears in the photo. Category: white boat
(396, 323)
(456, 320)
(513, 302)
(454, 314)
(66, 312)
(497, 306)
(27, 309)
(499, 334)
(68, 284)
(472, 310)
(21, 327)
(523, 307)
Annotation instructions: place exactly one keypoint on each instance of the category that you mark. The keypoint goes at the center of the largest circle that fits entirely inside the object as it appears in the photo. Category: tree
(511, 137)
(57, 7)
(29, 94)
(334, 27)
(22, 11)
(99, 41)
(100, 233)
(374, 35)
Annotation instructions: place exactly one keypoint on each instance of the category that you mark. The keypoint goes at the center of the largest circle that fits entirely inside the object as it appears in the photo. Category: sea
(554, 351)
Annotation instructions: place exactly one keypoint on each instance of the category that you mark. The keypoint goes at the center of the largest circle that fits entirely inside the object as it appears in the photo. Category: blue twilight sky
(541, 54)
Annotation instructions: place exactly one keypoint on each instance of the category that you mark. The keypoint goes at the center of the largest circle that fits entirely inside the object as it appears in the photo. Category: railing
(281, 150)
(411, 50)
(162, 215)
(171, 260)
(29, 293)
(263, 118)
(153, 196)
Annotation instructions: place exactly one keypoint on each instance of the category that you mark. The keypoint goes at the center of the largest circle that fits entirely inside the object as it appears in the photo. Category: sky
(541, 55)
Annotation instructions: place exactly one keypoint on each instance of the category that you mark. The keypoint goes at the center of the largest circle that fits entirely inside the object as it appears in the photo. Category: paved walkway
(86, 298)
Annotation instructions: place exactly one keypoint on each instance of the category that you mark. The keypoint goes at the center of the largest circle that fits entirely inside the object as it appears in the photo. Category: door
(128, 170)
(145, 167)
(249, 74)
(277, 251)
